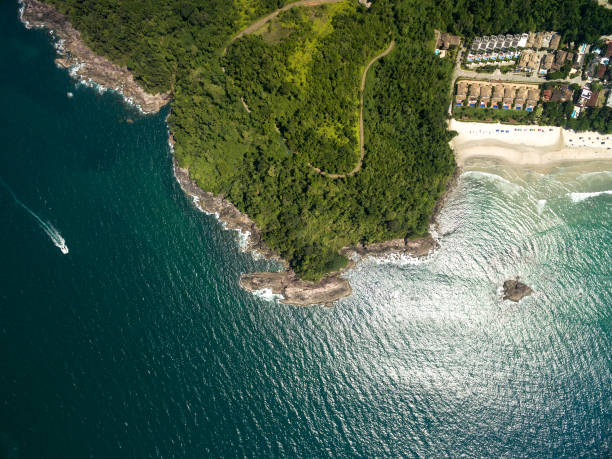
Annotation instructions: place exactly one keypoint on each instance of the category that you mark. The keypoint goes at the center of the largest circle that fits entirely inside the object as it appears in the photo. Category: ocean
(139, 343)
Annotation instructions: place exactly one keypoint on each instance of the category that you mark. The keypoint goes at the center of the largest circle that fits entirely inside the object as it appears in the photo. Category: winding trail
(357, 168)
(309, 3)
(260, 22)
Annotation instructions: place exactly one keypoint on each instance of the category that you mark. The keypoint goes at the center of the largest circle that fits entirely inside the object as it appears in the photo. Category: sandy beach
(527, 144)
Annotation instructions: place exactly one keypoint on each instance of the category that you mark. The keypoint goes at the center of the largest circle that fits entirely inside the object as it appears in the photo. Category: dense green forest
(249, 122)
(590, 119)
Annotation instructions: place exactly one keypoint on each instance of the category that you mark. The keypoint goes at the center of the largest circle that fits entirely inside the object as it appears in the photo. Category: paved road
(257, 24)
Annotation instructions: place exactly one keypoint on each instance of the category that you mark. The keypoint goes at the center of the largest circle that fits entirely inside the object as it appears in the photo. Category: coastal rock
(296, 291)
(84, 63)
(514, 290)
(415, 247)
(226, 212)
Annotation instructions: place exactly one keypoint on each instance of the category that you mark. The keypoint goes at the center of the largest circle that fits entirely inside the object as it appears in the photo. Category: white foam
(243, 236)
(504, 184)
(47, 227)
(540, 206)
(579, 197)
(399, 259)
(268, 295)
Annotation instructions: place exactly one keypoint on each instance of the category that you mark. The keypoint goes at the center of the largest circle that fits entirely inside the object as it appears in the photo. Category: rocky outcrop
(514, 290)
(226, 212)
(296, 291)
(83, 62)
(414, 247)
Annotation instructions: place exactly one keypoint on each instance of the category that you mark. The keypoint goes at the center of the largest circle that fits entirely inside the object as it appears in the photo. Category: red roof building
(592, 102)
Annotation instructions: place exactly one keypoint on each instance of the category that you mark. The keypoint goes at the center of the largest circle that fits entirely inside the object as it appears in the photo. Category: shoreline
(93, 70)
(82, 63)
(527, 145)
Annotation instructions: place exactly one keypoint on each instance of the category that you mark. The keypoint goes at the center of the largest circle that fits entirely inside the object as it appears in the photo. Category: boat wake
(47, 227)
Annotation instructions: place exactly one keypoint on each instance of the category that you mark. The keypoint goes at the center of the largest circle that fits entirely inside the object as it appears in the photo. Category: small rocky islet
(515, 290)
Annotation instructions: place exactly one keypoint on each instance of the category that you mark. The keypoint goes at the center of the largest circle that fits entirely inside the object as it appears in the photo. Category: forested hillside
(249, 123)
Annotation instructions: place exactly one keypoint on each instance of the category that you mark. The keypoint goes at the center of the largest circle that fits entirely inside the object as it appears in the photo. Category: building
(533, 93)
(609, 102)
(560, 58)
(485, 95)
(539, 39)
(474, 94)
(530, 40)
(547, 94)
(462, 88)
(446, 41)
(562, 94)
(547, 63)
(601, 71)
(534, 62)
(449, 41)
(509, 95)
(555, 41)
(524, 59)
(608, 49)
(498, 95)
(586, 92)
(521, 98)
(592, 101)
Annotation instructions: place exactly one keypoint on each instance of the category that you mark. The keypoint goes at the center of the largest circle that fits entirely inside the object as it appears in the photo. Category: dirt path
(309, 3)
(257, 24)
(357, 168)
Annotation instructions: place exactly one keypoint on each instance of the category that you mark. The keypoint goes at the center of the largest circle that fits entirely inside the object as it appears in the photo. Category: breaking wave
(578, 197)
(541, 205)
(505, 185)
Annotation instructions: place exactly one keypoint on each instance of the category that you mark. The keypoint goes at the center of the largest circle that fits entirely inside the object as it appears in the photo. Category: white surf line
(47, 227)
(579, 197)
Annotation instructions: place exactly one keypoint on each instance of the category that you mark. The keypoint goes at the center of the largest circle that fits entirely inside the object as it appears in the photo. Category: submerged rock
(514, 290)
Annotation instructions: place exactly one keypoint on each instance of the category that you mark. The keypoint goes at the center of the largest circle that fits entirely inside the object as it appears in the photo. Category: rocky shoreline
(286, 283)
(85, 65)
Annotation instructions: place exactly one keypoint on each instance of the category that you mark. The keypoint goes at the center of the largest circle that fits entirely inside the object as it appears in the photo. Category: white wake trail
(47, 227)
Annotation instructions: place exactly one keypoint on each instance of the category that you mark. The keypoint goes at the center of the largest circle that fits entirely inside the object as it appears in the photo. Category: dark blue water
(140, 343)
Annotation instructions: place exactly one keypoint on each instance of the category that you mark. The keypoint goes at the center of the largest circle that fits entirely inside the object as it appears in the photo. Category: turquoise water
(139, 342)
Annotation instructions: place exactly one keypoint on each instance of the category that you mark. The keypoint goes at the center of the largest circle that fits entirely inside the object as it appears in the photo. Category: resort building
(547, 63)
(509, 95)
(462, 88)
(474, 94)
(533, 95)
(555, 41)
(498, 95)
(521, 98)
(485, 95)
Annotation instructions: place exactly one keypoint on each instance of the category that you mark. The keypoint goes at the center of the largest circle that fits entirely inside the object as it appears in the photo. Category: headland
(83, 63)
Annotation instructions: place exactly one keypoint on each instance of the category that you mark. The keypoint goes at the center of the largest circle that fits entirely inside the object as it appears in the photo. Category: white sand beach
(527, 144)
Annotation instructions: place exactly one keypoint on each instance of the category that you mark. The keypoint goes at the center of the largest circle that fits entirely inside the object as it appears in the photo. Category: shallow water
(140, 343)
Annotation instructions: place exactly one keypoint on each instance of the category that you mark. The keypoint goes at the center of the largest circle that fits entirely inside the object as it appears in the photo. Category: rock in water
(514, 290)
